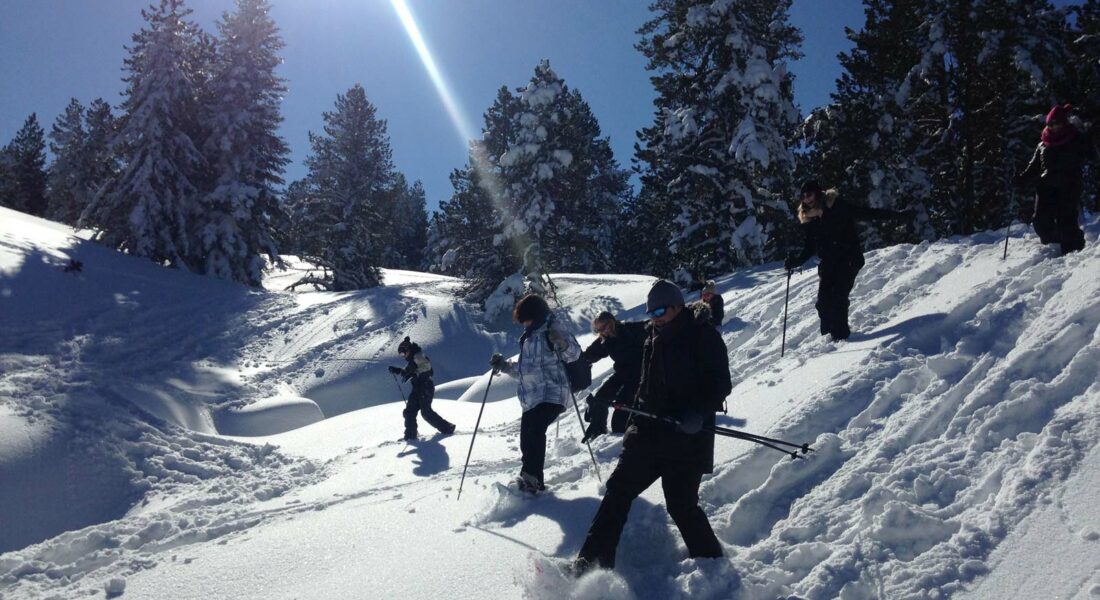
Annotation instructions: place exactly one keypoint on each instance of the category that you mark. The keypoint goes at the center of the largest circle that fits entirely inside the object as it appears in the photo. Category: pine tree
(151, 208)
(24, 188)
(726, 122)
(244, 150)
(864, 143)
(67, 194)
(405, 211)
(937, 106)
(562, 189)
(337, 221)
(1083, 87)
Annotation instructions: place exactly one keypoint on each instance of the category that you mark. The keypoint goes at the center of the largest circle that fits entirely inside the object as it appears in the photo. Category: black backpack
(578, 372)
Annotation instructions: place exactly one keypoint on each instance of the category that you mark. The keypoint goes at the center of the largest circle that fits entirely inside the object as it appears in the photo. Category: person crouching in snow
(623, 342)
(1055, 167)
(419, 370)
(543, 383)
(829, 224)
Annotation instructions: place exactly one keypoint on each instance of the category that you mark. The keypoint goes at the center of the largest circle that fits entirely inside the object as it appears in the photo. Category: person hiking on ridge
(829, 224)
(1055, 169)
(543, 383)
(714, 300)
(419, 370)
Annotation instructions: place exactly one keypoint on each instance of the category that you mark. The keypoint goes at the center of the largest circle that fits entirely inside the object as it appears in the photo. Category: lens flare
(450, 102)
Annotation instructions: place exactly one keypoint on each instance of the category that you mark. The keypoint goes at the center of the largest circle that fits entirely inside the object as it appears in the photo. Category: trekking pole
(786, 301)
(588, 443)
(476, 425)
(399, 390)
(580, 419)
(728, 432)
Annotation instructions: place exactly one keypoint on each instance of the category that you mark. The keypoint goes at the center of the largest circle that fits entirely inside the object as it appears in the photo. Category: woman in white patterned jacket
(543, 383)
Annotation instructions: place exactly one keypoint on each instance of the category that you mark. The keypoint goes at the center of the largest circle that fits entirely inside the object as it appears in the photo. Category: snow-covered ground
(164, 435)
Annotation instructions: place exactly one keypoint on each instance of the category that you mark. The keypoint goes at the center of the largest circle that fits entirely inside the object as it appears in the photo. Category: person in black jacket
(623, 343)
(829, 224)
(1055, 167)
(685, 376)
(419, 370)
(714, 300)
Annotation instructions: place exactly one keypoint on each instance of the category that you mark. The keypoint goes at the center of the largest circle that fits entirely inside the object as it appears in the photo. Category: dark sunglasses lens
(658, 312)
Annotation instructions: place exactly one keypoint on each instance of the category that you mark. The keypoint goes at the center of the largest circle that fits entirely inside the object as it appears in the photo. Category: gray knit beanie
(663, 293)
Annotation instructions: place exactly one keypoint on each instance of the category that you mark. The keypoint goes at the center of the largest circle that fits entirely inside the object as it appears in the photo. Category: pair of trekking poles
(768, 442)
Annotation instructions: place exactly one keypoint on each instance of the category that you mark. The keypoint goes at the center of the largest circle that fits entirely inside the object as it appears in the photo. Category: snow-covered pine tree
(404, 209)
(101, 160)
(67, 195)
(726, 103)
(25, 185)
(245, 153)
(938, 103)
(150, 208)
(864, 143)
(562, 190)
(1083, 88)
(337, 220)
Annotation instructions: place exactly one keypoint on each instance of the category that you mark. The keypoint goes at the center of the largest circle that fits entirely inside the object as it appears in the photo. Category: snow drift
(955, 434)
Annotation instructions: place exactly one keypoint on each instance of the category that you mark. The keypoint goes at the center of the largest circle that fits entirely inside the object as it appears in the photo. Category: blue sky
(52, 50)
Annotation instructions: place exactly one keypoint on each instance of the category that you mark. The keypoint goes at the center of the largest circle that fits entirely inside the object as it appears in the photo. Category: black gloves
(396, 370)
(497, 362)
(792, 262)
(595, 429)
(690, 422)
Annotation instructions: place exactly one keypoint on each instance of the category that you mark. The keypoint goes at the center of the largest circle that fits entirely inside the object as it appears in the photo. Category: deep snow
(168, 436)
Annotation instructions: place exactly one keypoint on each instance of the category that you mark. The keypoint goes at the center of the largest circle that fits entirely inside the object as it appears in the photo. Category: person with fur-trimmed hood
(418, 370)
(544, 389)
(1055, 168)
(829, 224)
(714, 301)
(685, 377)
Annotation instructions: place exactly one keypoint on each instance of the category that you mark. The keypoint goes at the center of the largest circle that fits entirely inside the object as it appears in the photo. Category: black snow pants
(532, 437)
(1056, 216)
(640, 465)
(834, 287)
(420, 401)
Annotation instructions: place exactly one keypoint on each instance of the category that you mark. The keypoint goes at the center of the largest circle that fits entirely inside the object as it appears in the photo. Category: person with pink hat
(1055, 169)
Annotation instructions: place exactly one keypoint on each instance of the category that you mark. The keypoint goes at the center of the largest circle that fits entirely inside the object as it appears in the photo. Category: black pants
(616, 389)
(638, 468)
(532, 437)
(420, 401)
(833, 288)
(1055, 219)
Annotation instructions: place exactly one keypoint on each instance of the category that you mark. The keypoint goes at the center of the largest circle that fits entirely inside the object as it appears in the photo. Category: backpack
(578, 372)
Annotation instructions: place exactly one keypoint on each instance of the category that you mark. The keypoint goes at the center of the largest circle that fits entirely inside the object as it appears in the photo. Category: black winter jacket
(624, 348)
(685, 369)
(1060, 166)
(833, 236)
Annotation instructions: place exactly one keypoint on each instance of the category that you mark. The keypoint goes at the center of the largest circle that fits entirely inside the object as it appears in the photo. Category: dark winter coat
(717, 309)
(831, 232)
(1060, 166)
(684, 369)
(624, 348)
(418, 370)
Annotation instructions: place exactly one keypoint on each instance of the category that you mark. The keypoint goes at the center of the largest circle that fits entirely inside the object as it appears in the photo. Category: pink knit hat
(1059, 114)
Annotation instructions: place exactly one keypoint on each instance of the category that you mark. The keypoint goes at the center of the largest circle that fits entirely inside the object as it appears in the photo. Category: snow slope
(956, 437)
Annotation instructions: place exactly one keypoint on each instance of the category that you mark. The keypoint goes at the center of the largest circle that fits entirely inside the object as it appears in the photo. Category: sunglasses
(658, 312)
